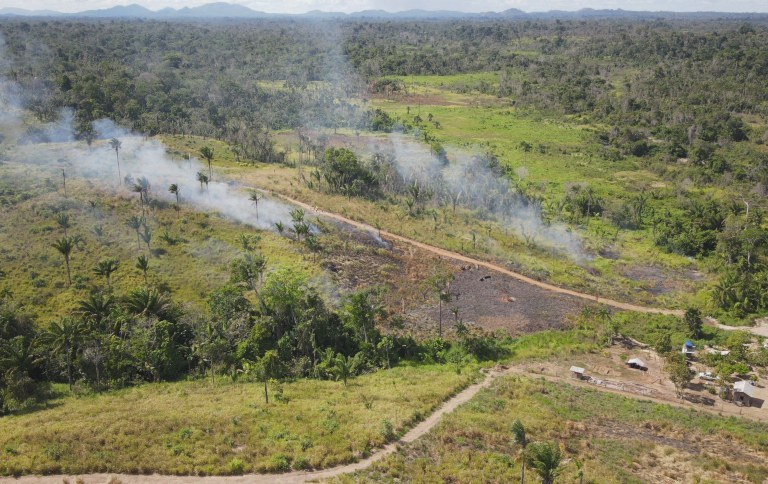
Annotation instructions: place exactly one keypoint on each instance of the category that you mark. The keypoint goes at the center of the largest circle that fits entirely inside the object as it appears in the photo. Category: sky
(301, 6)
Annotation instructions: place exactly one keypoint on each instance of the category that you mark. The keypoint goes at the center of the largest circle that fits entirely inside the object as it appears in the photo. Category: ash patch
(658, 281)
(494, 301)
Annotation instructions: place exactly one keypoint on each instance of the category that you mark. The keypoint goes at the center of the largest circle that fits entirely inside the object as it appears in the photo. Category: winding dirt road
(462, 258)
(289, 478)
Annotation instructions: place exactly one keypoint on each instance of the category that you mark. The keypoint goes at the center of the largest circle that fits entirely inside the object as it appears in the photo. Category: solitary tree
(135, 223)
(693, 321)
(207, 153)
(679, 373)
(545, 458)
(521, 439)
(202, 178)
(65, 245)
(116, 144)
(146, 235)
(268, 368)
(63, 220)
(142, 264)
(174, 189)
(106, 268)
(342, 367)
(280, 226)
(255, 199)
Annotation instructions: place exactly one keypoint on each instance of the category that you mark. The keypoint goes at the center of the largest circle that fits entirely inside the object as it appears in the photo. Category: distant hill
(232, 10)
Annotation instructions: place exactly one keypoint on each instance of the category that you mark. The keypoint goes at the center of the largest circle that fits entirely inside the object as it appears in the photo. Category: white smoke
(140, 157)
(479, 187)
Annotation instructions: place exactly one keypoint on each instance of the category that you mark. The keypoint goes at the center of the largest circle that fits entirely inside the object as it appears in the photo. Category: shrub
(236, 466)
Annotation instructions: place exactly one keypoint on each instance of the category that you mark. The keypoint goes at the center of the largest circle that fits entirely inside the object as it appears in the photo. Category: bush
(236, 466)
(301, 463)
(388, 431)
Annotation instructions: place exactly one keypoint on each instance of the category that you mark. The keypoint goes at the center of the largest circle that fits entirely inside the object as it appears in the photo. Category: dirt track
(462, 258)
(291, 477)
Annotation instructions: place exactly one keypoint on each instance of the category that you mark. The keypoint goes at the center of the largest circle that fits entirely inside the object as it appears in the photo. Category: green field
(614, 438)
(221, 427)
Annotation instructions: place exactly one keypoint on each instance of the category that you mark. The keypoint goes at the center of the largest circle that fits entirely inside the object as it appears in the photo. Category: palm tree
(301, 229)
(202, 178)
(96, 307)
(135, 223)
(65, 245)
(255, 199)
(545, 458)
(116, 144)
(280, 226)
(18, 357)
(136, 188)
(146, 236)
(174, 189)
(142, 264)
(142, 188)
(63, 220)
(65, 336)
(342, 366)
(106, 268)
(207, 153)
(144, 301)
(518, 432)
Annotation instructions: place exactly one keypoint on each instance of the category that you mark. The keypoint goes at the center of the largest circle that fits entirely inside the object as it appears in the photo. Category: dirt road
(289, 478)
(760, 328)
(462, 258)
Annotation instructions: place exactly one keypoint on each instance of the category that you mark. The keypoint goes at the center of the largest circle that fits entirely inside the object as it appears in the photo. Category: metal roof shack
(637, 364)
(743, 393)
(578, 372)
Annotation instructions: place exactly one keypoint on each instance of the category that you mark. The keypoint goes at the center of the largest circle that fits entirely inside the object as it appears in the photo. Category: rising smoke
(478, 183)
(461, 176)
(54, 146)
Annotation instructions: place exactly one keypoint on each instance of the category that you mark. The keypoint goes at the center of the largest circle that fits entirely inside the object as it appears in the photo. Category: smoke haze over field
(54, 145)
(475, 184)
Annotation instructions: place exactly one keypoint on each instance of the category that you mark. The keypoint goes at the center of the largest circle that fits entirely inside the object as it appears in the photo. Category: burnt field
(493, 301)
(484, 298)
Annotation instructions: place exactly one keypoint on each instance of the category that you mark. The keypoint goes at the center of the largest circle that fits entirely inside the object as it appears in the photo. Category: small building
(637, 364)
(743, 393)
(578, 372)
(689, 349)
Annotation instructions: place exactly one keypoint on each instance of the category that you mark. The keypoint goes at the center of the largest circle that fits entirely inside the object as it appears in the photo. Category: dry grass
(206, 428)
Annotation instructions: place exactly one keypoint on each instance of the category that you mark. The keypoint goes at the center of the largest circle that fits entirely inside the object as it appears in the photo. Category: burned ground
(484, 298)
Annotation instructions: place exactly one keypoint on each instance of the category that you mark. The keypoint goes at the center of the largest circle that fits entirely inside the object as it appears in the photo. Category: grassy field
(193, 262)
(202, 427)
(617, 439)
